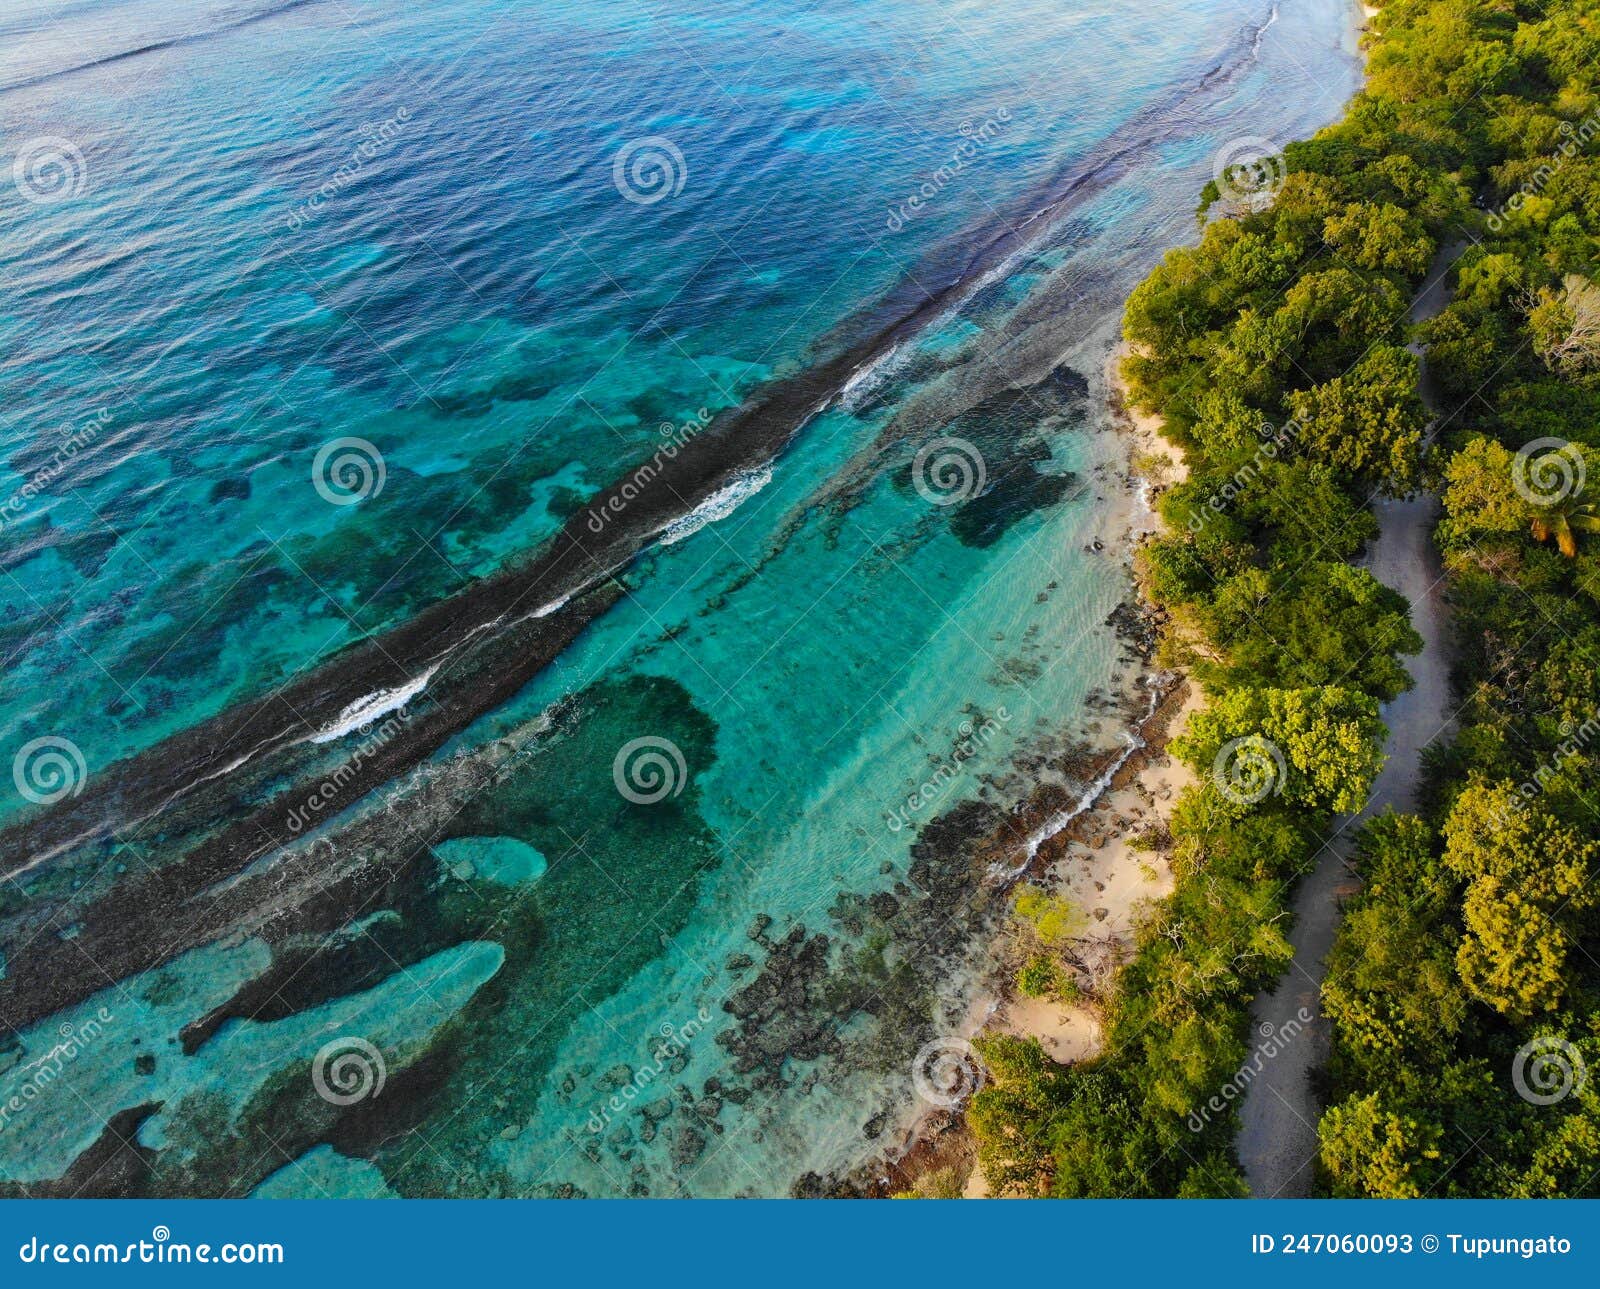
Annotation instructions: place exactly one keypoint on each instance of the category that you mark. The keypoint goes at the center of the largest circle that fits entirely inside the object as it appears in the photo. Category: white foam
(1272, 18)
(719, 505)
(1090, 797)
(1056, 823)
(369, 708)
(870, 375)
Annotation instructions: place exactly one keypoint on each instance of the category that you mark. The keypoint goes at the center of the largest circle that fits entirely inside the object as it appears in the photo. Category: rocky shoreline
(924, 960)
(1080, 848)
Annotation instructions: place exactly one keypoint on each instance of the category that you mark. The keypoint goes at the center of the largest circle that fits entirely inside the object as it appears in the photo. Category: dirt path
(1278, 1139)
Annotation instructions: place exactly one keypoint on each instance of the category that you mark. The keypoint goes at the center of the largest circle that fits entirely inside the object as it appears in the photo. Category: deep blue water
(513, 251)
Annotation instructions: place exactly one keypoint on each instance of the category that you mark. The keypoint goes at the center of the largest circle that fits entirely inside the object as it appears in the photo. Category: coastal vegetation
(1275, 352)
(1464, 989)
(1278, 354)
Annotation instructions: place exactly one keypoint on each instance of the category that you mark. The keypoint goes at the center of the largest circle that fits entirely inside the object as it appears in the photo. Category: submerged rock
(687, 1147)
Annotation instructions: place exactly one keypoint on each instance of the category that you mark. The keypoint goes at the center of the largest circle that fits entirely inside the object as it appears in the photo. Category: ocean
(550, 568)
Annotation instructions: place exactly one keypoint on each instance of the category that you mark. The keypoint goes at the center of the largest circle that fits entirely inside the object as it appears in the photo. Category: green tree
(1372, 1152)
(1528, 888)
(1368, 421)
(1318, 748)
(1380, 236)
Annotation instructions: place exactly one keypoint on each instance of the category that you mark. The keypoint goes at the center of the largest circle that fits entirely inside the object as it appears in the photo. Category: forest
(1464, 988)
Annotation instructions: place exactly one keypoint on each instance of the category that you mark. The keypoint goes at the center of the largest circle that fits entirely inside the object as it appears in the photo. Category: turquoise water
(516, 251)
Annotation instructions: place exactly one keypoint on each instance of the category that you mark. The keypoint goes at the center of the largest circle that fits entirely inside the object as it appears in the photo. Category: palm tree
(1563, 520)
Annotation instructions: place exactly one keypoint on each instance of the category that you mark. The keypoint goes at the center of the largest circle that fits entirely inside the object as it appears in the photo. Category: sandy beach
(1108, 866)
